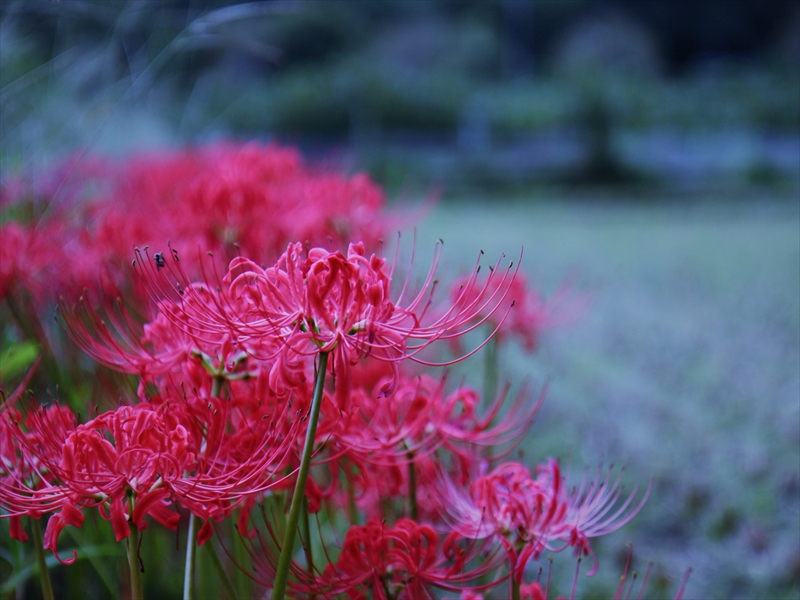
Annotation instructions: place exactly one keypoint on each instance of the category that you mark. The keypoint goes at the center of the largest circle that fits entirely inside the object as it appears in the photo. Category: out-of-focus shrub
(607, 44)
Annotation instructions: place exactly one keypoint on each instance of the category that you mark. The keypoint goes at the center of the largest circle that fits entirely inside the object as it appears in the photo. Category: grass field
(684, 367)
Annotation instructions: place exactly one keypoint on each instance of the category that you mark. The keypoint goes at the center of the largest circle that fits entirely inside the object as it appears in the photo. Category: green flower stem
(412, 487)
(133, 563)
(216, 385)
(281, 576)
(191, 550)
(191, 538)
(241, 558)
(514, 589)
(221, 572)
(44, 575)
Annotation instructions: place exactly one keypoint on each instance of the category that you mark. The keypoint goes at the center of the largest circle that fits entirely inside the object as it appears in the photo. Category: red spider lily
(211, 197)
(31, 443)
(385, 429)
(136, 460)
(317, 301)
(420, 424)
(528, 516)
(81, 467)
(407, 560)
(13, 465)
(47, 255)
(30, 257)
(419, 417)
(169, 344)
(241, 446)
(26, 481)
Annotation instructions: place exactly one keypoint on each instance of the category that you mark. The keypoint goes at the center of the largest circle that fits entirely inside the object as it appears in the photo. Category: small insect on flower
(159, 258)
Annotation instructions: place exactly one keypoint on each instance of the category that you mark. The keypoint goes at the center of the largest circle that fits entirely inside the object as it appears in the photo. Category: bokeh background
(648, 152)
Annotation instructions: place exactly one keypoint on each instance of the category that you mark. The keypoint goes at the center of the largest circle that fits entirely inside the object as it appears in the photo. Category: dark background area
(455, 94)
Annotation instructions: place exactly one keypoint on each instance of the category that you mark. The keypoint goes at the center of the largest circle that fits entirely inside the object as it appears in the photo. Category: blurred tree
(686, 31)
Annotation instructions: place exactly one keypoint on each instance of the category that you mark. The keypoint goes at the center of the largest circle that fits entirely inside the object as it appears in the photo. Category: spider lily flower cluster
(203, 455)
(306, 386)
(78, 223)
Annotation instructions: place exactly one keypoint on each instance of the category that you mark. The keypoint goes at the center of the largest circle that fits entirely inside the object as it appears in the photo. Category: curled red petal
(16, 531)
(69, 515)
(205, 533)
(119, 521)
(165, 516)
(145, 503)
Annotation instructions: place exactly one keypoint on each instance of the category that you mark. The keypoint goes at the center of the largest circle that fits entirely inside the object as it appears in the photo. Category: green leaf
(32, 569)
(17, 358)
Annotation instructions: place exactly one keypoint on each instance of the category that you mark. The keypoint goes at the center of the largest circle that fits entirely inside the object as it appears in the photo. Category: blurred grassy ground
(685, 368)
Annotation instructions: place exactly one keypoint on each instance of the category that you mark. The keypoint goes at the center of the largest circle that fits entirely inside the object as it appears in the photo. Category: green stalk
(191, 550)
(412, 487)
(221, 572)
(133, 563)
(44, 575)
(240, 557)
(514, 589)
(191, 538)
(216, 386)
(282, 575)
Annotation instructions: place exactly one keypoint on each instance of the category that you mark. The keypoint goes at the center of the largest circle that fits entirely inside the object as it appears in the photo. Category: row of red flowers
(303, 380)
